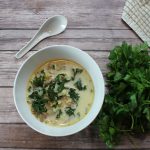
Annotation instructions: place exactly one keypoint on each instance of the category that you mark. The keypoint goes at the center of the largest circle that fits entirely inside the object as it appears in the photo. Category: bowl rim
(21, 115)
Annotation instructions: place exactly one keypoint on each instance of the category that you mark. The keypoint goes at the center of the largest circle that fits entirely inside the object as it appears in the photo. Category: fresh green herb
(126, 109)
(69, 111)
(35, 95)
(39, 80)
(75, 72)
(53, 66)
(61, 78)
(79, 85)
(59, 87)
(39, 105)
(56, 86)
(41, 91)
(29, 88)
(73, 95)
(53, 96)
(60, 81)
(59, 114)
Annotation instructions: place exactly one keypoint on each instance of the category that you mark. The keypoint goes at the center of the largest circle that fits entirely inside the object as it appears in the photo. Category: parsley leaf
(126, 108)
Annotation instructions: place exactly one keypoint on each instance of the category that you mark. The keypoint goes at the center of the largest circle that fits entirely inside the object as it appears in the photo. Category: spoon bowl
(50, 27)
(54, 26)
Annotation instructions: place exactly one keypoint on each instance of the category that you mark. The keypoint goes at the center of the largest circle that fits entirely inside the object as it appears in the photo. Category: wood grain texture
(83, 39)
(8, 112)
(36, 149)
(93, 25)
(104, 14)
(86, 139)
(73, 34)
(86, 39)
(28, 138)
(14, 44)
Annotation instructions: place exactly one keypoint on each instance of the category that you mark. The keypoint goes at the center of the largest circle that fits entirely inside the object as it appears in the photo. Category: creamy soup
(60, 92)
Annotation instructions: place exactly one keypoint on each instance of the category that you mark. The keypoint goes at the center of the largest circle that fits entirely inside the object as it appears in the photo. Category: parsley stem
(124, 130)
(132, 118)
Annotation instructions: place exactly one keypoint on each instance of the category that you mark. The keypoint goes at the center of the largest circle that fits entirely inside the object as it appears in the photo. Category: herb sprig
(126, 109)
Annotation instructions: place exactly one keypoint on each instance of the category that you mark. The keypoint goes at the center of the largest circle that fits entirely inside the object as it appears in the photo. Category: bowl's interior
(54, 52)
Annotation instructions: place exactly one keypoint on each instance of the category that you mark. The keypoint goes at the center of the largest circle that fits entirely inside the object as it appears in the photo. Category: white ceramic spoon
(52, 26)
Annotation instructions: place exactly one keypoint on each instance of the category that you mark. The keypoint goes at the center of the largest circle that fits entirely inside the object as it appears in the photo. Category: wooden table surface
(93, 25)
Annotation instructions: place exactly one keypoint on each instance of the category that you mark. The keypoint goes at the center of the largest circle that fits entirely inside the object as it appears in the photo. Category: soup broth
(60, 92)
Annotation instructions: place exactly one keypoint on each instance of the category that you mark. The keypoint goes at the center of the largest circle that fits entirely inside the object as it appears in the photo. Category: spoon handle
(35, 40)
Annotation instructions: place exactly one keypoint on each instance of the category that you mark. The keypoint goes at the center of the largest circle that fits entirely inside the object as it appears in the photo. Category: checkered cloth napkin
(136, 14)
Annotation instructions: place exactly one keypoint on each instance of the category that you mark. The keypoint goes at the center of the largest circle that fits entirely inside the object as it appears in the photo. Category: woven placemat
(136, 14)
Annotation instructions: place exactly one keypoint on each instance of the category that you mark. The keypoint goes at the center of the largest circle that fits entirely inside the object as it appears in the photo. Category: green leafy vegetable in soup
(57, 92)
(73, 95)
(69, 111)
(79, 85)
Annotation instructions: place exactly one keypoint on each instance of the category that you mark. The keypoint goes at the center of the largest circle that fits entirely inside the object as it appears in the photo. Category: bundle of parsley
(126, 108)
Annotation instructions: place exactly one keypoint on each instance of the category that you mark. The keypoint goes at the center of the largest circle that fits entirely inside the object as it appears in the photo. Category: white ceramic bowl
(52, 52)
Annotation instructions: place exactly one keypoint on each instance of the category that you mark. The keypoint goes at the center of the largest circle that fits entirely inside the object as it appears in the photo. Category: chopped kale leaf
(39, 105)
(79, 85)
(75, 72)
(70, 111)
(39, 80)
(73, 95)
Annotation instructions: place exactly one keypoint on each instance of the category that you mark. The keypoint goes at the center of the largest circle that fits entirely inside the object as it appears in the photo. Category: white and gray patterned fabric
(136, 14)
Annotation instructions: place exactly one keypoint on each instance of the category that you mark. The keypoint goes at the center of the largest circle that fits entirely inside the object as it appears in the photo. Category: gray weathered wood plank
(73, 34)
(9, 64)
(15, 149)
(14, 44)
(34, 149)
(21, 136)
(8, 112)
(37, 149)
(85, 39)
(81, 14)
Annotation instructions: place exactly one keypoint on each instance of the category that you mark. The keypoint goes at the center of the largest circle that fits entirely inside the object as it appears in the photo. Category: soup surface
(60, 92)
